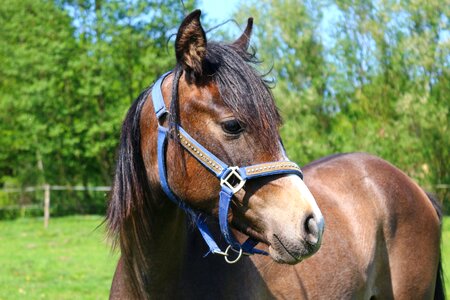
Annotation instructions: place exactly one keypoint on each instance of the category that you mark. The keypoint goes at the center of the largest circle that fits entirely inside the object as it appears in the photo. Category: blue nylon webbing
(200, 222)
(157, 97)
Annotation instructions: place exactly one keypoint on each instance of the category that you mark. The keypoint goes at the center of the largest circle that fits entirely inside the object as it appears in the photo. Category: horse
(263, 215)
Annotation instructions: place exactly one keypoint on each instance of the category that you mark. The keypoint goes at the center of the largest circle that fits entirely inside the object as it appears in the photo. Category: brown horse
(382, 231)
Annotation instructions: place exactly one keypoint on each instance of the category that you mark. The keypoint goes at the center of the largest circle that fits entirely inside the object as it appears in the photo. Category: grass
(71, 260)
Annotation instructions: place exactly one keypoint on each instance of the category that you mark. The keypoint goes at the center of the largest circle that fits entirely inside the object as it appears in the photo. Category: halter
(232, 179)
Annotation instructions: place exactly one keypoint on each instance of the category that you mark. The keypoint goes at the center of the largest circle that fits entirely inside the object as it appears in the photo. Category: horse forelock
(245, 91)
(242, 89)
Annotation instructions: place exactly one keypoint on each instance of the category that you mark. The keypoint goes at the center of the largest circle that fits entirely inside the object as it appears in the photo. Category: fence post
(46, 204)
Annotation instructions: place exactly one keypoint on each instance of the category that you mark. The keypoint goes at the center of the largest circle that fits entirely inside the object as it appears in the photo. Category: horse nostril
(311, 230)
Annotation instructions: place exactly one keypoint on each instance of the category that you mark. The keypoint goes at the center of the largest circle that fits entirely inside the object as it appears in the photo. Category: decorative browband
(272, 166)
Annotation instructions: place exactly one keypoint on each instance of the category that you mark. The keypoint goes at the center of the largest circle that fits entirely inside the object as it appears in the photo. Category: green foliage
(372, 77)
(14, 212)
(70, 70)
(56, 263)
(33, 66)
(446, 252)
(350, 76)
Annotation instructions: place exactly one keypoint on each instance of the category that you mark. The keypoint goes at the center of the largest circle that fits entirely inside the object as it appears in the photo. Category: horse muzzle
(293, 223)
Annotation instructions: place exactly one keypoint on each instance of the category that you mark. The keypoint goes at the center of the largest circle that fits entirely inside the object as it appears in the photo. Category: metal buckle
(233, 173)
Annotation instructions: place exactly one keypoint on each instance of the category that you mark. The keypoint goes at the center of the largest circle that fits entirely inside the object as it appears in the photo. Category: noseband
(232, 179)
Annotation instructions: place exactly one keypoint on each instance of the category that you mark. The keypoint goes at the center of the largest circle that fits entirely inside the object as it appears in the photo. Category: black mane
(131, 200)
(130, 186)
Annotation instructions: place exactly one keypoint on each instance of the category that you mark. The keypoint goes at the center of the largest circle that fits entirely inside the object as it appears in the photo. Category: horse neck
(167, 242)
(173, 262)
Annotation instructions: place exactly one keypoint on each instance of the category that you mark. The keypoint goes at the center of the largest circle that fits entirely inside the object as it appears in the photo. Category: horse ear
(244, 40)
(190, 44)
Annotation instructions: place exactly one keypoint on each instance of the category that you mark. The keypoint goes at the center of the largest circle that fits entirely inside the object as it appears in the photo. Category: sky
(218, 10)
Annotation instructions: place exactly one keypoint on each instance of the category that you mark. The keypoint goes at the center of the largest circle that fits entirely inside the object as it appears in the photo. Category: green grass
(69, 260)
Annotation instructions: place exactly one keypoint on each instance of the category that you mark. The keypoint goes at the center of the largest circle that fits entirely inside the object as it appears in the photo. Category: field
(72, 260)
(69, 260)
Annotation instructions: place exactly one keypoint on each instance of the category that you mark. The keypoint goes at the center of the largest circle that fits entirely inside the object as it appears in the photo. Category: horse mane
(132, 202)
(130, 186)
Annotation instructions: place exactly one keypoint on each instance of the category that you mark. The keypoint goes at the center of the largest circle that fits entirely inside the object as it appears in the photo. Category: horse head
(224, 110)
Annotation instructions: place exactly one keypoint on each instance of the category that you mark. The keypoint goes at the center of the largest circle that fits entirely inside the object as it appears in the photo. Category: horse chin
(285, 252)
(282, 258)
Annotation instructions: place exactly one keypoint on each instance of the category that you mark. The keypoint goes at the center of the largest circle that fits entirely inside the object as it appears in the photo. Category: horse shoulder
(377, 222)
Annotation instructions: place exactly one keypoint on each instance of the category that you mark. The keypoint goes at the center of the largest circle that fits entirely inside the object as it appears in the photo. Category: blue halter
(232, 179)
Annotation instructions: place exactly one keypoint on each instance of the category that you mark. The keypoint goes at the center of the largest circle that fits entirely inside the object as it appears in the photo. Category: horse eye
(232, 127)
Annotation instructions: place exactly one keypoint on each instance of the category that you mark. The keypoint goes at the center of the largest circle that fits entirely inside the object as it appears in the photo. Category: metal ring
(236, 259)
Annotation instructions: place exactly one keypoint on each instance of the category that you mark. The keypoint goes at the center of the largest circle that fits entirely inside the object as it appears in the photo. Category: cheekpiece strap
(199, 220)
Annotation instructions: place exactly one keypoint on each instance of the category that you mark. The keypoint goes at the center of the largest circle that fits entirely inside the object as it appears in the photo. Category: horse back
(382, 232)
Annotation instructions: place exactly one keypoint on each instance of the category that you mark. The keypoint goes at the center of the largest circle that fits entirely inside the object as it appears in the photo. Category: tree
(70, 70)
(287, 38)
(36, 41)
(361, 76)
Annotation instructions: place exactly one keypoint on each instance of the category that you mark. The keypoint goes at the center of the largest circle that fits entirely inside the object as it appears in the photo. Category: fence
(441, 189)
(47, 193)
